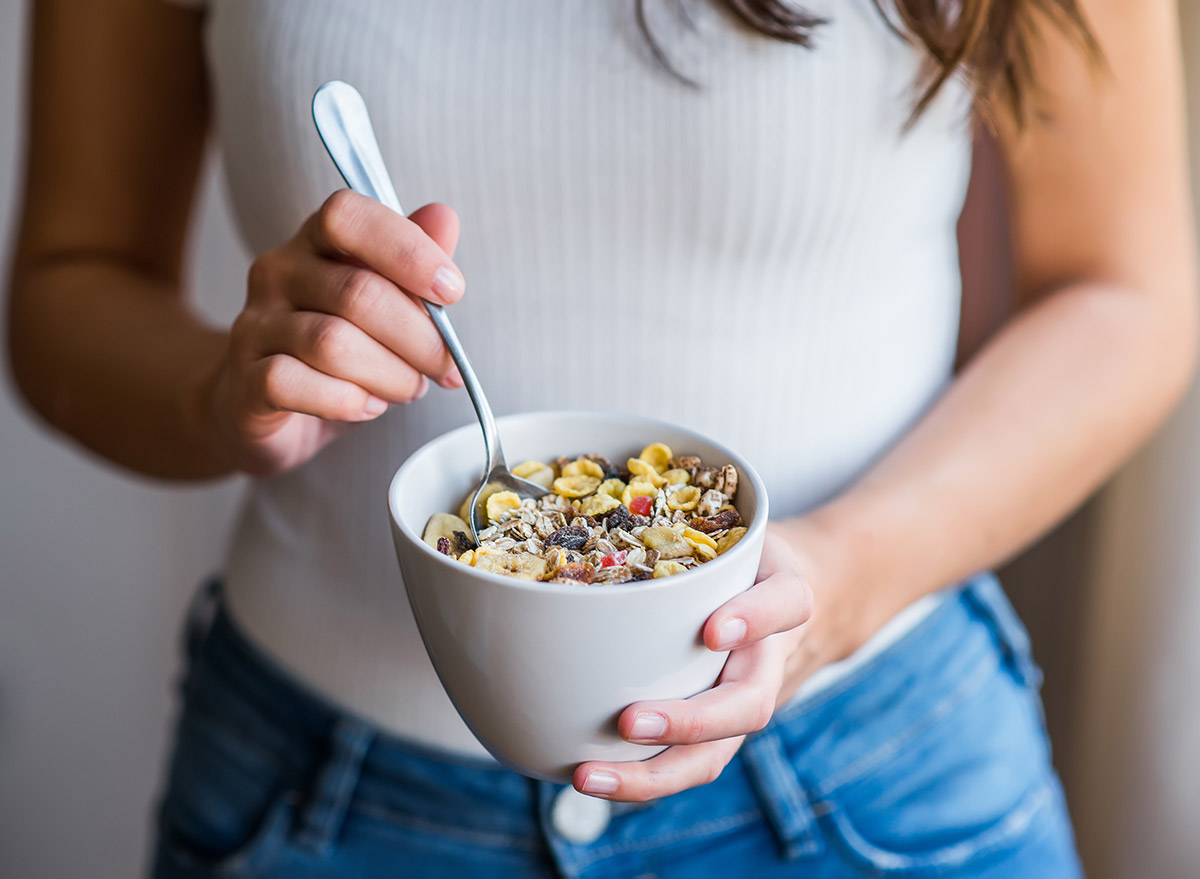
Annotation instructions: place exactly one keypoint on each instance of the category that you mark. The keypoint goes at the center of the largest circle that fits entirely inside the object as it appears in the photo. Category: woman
(759, 244)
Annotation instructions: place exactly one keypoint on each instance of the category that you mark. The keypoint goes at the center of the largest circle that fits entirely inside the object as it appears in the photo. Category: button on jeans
(929, 760)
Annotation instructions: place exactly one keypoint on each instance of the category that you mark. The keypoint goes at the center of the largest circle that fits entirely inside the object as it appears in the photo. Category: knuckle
(265, 275)
(274, 382)
(336, 217)
(358, 294)
(408, 250)
(692, 728)
(330, 340)
(764, 710)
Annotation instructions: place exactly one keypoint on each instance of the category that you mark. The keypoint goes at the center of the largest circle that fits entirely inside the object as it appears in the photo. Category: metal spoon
(345, 127)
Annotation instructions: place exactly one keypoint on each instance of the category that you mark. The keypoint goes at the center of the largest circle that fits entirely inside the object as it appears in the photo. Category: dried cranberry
(571, 537)
(642, 504)
(444, 545)
(614, 558)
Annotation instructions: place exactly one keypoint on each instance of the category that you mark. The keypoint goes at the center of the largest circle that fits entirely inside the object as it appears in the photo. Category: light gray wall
(95, 569)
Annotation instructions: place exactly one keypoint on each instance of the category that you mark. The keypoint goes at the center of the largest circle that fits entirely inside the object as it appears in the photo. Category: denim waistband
(340, 764)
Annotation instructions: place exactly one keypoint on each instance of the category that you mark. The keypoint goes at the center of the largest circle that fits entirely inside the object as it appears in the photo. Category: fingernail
(731, 633)
(375, 406)
(452, 380)
(600, 782)
(448, 284)
(648, 726)
(423, 390)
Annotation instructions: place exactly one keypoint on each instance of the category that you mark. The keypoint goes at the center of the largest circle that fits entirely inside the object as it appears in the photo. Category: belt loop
(201, 612)
(320, 822)
(989, 599)
(781, 795)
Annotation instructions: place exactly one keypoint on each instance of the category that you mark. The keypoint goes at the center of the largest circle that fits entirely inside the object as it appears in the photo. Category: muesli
(659, 514)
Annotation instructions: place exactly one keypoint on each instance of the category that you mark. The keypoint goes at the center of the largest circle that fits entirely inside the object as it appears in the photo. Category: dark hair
(991, 41)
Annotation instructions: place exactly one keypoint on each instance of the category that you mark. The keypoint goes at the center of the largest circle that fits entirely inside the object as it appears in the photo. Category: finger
(336, 347)
(379, 308)
(440, 223)
(281, 383)
(674, 770)
(742, 702)
(352, 226)
(781, 601)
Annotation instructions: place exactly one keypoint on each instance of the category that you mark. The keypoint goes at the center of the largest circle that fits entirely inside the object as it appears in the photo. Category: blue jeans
(930, 760)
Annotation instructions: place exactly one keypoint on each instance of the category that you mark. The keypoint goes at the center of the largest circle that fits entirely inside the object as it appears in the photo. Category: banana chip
(444, 525)
(698, 539)
(685, 497)
(667, 568)
(500, 503)
(669, 543)
(729, 538)
(583, 467)
(521, 565)
(657, 455)
(468, 558)
(576, 486)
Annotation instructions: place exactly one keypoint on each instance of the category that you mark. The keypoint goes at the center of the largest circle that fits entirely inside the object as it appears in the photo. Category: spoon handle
(345, 128)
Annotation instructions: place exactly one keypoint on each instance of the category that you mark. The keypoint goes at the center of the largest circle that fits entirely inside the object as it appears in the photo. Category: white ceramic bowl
(540, 671)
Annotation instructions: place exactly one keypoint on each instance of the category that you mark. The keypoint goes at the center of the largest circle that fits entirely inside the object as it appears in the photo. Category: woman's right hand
(333, 330)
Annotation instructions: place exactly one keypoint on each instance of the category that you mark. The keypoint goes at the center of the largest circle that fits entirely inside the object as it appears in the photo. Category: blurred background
(96, 568)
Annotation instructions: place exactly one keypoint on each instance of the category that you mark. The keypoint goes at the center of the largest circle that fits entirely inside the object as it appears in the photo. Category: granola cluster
(658, 515)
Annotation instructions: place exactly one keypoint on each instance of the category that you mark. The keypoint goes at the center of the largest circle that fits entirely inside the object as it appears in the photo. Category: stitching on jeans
(1011, 826)
(972, 684)
(422, 825)
(706, 828)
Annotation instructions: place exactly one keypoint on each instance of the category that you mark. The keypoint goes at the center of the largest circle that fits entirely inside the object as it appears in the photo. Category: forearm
(1035, 423)
(109, 356)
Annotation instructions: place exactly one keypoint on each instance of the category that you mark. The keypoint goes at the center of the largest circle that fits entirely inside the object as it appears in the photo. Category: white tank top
(769, 258)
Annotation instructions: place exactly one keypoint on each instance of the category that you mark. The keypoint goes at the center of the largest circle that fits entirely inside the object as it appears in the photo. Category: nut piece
(666, 569)
(684, 462)
(576, 486)
(732, 536)
(705, 477)
(727, 480)
(711, 503)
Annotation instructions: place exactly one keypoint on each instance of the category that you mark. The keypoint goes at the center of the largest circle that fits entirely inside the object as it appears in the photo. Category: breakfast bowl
(540, 671)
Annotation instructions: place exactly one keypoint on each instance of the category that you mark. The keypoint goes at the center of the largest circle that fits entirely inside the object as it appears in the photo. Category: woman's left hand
(764, 628)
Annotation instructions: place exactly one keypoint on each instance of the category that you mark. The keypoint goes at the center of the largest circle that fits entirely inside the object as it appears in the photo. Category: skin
(104, 347)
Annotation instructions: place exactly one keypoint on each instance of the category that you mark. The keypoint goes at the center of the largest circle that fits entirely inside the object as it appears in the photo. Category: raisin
(572, 537)
(617, 518)
(624, 474)
(444, 545)
(720, 522)
(462, 542)
(639, 574)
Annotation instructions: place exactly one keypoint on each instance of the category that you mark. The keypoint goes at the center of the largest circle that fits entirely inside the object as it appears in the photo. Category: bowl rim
(745, 470)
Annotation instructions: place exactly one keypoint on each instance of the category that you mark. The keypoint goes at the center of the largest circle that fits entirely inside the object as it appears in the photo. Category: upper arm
(1100, 187)
(117, 117)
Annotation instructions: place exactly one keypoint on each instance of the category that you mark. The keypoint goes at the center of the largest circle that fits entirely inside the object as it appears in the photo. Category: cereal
(660, 515)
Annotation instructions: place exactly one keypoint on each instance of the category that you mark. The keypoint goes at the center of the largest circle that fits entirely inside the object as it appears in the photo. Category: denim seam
(798, 830)
(972, 684)
(422, 825)
(707, 828)
(995, 837)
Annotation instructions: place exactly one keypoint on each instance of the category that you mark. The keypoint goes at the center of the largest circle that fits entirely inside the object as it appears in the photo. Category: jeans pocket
(968, 790)
(229, 805)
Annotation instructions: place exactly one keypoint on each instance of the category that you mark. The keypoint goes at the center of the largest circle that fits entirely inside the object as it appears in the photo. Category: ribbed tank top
(768, 257)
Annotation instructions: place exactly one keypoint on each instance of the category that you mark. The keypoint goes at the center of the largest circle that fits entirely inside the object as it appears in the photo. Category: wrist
(201, 405)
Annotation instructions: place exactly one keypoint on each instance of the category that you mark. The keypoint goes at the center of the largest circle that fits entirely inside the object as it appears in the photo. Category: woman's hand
(333, 330)
(764, 628)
